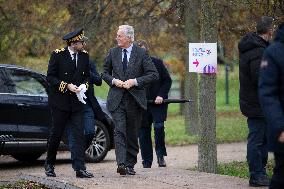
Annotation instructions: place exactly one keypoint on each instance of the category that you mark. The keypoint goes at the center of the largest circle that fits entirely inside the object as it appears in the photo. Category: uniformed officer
(68, 72)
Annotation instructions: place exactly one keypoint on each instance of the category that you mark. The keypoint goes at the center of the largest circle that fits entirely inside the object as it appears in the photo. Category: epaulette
(59, 50)
(85, 51)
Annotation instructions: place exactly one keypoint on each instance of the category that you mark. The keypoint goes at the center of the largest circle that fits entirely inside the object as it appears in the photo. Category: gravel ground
(175, 175)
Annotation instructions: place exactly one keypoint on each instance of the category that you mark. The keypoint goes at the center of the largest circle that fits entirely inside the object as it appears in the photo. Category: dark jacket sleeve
(52, 74)
(269, 93)
(255, 60)
(150, 72)
(95, 77)
(107, 72)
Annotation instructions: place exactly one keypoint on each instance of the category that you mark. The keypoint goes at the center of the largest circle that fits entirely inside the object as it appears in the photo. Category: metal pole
(227, 68)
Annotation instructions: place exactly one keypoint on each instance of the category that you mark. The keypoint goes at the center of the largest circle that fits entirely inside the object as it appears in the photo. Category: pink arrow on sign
(196, 62)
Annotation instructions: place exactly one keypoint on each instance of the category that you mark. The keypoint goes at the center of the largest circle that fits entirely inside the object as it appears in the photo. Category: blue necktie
(124, 61)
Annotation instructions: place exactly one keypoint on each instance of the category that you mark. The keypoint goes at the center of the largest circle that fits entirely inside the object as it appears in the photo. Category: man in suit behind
(68, 73)
(127, 70)
(156, 113)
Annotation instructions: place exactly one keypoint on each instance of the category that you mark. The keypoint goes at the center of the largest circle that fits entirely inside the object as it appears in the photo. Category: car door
(8, 108)
(30, 96)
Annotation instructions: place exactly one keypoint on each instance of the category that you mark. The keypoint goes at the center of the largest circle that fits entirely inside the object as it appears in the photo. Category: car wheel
(100, 145)
(27, 157)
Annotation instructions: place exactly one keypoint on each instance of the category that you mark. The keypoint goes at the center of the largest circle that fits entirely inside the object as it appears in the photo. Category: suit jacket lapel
(131, 60)
(118, 59)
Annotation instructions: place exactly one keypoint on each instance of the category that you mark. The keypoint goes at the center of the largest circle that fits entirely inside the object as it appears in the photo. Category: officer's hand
(118, 83)
(281, 137)
(129, 83)
(159, 100)
(73, 88)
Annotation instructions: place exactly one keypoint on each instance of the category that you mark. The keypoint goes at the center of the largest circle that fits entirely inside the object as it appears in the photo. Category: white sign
(203, 57)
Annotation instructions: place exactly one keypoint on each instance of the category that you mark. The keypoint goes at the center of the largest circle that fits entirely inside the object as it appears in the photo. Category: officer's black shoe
(49, 170)
(259, 181)
(161, 161)
(83, 174)
(130, 171)
(121, 169)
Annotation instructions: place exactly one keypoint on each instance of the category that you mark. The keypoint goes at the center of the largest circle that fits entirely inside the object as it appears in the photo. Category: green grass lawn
(240, 169)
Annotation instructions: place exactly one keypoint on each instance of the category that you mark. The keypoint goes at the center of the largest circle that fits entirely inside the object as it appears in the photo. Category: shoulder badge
(85, 51)
(59, 50)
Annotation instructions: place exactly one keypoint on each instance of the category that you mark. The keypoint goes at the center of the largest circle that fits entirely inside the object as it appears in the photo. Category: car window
(6, 85)
(26, 83)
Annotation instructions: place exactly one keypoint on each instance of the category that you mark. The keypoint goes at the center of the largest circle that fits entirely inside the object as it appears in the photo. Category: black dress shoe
(83, 174)
(121, 169)
(259, 181)
(130, 171)
(161, 162)
(49, 170)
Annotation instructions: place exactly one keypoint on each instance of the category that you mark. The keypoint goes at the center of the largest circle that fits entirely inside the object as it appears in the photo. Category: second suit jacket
(140, 66)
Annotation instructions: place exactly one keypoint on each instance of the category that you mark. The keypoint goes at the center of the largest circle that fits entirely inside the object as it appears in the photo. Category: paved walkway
(175, 175)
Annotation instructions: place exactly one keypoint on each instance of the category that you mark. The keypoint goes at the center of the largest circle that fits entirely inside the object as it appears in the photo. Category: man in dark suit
(68, 72)
(156, 113)
(127, 70)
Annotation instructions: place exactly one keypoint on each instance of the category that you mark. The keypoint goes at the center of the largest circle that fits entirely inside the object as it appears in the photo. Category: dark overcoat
(271, 90)
(160, 87)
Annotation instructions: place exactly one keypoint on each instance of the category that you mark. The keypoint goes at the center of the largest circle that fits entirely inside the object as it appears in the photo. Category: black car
(25, 117)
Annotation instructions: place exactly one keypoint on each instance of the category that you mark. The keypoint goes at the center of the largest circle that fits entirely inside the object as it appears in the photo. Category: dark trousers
(145, 139)
(127, 119)
(277, 181)
(257, 152)
(59, 121)
(89, 129)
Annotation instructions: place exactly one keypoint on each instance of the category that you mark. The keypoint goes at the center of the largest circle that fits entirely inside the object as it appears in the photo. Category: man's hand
(281, 137)
(159, 100)
(73, 88)
(118, 83)
(129, 83)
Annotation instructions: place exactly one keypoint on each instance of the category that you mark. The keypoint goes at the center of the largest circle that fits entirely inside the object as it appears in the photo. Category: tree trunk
(207, 148)
(192, 31)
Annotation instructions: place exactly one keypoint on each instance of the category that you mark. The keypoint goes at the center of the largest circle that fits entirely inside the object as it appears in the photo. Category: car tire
(100, 145)
(27, 157)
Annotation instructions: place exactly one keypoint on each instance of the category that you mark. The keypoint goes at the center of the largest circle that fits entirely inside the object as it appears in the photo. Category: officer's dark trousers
(145, 139)
(257, 152)
(277, 181)
(59, 121)
(127, 119)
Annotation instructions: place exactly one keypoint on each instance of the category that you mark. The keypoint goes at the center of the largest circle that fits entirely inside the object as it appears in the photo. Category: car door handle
(23, 105)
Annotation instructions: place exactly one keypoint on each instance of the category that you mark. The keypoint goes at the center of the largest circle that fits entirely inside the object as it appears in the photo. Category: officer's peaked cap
(77, 35)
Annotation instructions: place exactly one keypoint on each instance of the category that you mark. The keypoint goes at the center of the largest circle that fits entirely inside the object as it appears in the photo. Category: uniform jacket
(62, 71)
(251, 48)
(160, 87)
(139, 66)
(271, 90)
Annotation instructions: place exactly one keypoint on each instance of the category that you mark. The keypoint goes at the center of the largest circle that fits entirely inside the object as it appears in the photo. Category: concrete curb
(53, 184)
